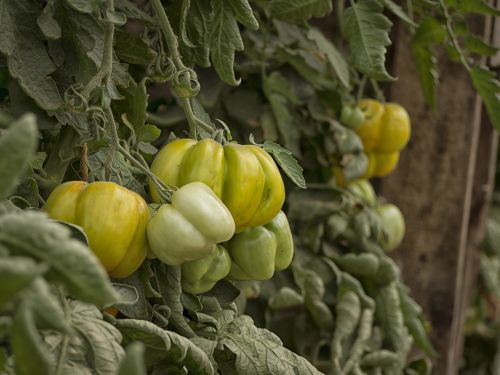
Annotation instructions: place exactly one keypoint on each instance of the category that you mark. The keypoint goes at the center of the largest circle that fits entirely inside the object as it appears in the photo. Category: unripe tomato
(258, 252)
(114, 219)
(394, 129)
(352, 116)
(393, 226)
(199, 276)
(369, 130)
(190, 226)
(363, 189)
(381, 164)
(245, 177)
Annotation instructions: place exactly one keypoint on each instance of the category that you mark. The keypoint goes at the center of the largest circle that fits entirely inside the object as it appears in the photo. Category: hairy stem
(106, 68)
(84, 162)
(168, 33)
(116, 142)
(173, 47)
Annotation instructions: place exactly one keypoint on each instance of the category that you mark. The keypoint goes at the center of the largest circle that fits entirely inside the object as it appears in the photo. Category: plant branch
(188, 110)
(116, 143)
(84, 162)
(453, 37)
(378, 91)
(106, 68)
(168, 33)
(361, 88)
(173, 47)
(104, 74)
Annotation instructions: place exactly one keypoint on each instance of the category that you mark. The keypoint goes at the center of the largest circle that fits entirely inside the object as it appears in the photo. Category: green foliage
(375, 322)
(367, 30)
(488, 87)
(101, 88)
(17, 147)
(299, 10)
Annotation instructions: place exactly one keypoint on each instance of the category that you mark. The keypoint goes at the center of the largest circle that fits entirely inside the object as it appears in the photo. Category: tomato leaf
(398, 11)
(337, 61)
(196, 27)
(121, 172)
(300, 10)
(32, 356)
(280, 95)
(133, 49)
(169, 286)
(94, 344)
(133, 363)
(429, 32)
(388, 313)
(17, 148)
(426, 64)
(367, 30)
(225, 40)
(17, 273)
(163, 345)
(30, 66)
(71, 263)
(244, 14)
(488, 87)
(259, 351)
(475, 44)
(474, 6)
(49, 26)
(132, 11)
(414, 320)
(287, 163)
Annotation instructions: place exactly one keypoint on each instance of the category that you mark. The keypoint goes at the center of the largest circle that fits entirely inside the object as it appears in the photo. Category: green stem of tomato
(116, 142)
(173, 47)
(361, 88)
(453, 37)
(168, 33)
(378, 91)
(106, 68)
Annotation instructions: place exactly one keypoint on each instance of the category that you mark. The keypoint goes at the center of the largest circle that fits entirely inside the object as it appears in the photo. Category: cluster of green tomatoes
(224, 218)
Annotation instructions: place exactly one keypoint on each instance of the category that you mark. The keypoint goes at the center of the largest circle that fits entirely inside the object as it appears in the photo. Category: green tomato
(199, 276)
(352, 116)
(189, 228)
(363, 189)
(258, 252)
(244, 177)
(113, 218)
(393, 226)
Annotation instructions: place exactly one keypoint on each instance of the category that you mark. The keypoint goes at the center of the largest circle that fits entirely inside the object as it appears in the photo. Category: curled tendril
(74, 99)
(164, 69)
(185, 83)
(98, 120)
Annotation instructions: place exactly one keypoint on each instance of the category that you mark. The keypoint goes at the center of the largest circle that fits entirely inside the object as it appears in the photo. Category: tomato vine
(134, 76)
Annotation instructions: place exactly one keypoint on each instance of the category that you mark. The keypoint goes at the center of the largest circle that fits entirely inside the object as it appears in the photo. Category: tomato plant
(154, 216)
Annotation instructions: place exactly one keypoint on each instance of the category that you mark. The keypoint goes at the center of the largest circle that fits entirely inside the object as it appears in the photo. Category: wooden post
(442, 185)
